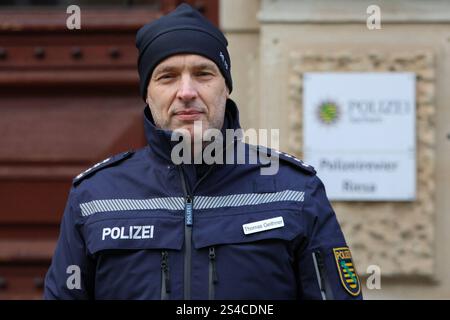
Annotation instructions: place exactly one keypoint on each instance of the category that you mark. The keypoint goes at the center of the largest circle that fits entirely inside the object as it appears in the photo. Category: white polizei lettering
(137, 230)
(106, 232)
(123, 235)
(131, 232)
(147, 232)
(115, 233)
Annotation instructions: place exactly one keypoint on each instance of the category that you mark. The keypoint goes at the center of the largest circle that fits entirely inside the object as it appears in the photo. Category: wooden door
(68, 99)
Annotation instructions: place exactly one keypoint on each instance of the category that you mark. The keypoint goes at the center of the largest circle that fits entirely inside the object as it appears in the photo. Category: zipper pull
(165, 269)
(188, 211)
(212, 259)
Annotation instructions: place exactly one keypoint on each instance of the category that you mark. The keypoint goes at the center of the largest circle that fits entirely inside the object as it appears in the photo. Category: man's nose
(186, 90)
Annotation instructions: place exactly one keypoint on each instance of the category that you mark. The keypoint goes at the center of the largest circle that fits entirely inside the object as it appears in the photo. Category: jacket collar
(159, 139)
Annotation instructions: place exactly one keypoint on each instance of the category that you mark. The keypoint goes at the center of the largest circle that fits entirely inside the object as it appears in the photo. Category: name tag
(263, 225)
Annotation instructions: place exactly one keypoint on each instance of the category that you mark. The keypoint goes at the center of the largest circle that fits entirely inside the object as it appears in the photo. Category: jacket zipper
(212, 273)
(188, 218)
(322, 278)
(189, 222)
(165, 276)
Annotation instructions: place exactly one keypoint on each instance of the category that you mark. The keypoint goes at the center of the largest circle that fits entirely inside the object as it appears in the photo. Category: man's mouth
(188, 115)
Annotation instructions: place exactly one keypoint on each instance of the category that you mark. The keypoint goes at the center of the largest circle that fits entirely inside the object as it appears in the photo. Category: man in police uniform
(139, 226)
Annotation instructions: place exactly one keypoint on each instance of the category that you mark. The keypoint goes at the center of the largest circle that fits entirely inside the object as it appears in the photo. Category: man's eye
(203, 74)
(165, 76)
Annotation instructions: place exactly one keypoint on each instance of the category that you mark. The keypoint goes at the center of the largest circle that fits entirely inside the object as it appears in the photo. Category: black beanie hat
(184, 30)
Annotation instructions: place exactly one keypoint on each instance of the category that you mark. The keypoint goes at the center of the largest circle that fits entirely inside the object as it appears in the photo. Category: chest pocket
(246, 227)
(259, 258)
(135, 233)
(132, 255)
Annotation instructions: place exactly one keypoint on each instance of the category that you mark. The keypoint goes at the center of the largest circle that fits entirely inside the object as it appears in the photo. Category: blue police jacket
(136, 226)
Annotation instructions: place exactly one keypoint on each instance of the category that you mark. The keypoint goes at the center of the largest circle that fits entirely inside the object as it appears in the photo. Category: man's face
(184, 89)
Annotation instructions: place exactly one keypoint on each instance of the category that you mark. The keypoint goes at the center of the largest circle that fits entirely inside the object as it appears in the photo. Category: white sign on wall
(359, 134)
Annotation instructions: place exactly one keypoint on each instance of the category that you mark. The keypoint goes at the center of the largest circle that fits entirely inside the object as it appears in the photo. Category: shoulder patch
(100, 165)
(285, 157)
(346, 269)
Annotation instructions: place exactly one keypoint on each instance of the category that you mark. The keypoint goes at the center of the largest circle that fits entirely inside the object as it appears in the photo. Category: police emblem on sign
(347, 272)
